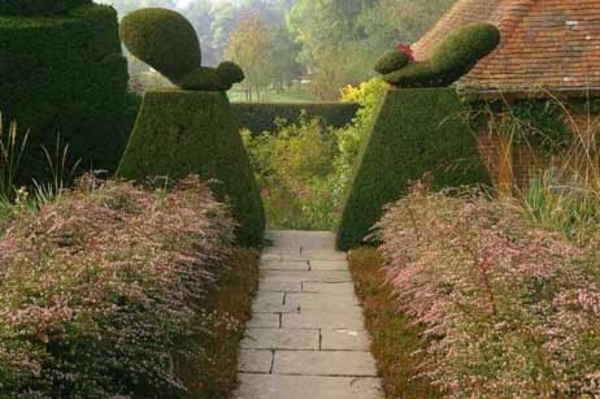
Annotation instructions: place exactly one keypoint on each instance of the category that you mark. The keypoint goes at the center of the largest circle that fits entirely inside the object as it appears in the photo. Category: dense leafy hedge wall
(66, 74)
(39, 7)
(261, 117)
(181, 132)
(414, 132)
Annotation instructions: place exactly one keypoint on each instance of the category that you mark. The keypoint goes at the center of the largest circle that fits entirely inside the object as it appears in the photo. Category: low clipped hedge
(262, 117)
(65, 74)
(415, 131)
(180, 132)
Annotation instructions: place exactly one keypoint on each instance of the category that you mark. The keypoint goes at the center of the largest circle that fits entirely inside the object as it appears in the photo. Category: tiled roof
(554, 43)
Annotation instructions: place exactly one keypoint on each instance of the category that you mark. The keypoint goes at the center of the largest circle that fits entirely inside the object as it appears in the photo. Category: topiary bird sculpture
(167, 41)
(453, 57)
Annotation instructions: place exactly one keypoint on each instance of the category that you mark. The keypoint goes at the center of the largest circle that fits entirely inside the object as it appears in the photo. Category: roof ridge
(513, 12)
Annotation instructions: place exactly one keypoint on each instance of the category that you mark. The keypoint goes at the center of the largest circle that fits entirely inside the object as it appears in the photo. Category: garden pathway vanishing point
(306, 338)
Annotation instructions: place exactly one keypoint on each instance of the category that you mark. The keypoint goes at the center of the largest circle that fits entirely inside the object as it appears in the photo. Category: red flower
(406, 49)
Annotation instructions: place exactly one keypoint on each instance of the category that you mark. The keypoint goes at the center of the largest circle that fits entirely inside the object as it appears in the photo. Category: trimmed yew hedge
(262, 117)
(180, 132)
(66, 74)
(415, 131)
(39, 7)
(453, 57)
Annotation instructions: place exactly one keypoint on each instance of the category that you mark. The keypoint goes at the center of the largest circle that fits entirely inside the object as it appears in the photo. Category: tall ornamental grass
(510, 310)
(102, 288)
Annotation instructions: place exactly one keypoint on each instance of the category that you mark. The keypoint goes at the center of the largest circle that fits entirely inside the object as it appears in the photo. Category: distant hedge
(415, 131)
(180, 132)
(66, 74)
(261, 117)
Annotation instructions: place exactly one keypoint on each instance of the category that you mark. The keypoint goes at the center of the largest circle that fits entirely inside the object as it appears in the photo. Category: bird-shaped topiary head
(167, 41)
(453, 57)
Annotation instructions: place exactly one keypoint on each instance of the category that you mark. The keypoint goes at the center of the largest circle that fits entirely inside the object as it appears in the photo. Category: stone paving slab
(299, 265)
(258, 386)
(256, 361)
(306, 338)
(272, 302)
(307, 240)
(357, 364)
(316, 265)
(279, 286)
(324, 301)
(331, 288)
(323, 276)
(352, 319)
(281, 339)
(345, 340)
(265, 320)
(323, 255)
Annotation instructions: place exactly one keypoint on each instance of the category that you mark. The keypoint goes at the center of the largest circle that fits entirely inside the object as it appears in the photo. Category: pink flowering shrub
(99, 290)
(511, 311)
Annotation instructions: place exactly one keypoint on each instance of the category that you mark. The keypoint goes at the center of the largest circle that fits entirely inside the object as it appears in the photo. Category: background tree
(248, 45)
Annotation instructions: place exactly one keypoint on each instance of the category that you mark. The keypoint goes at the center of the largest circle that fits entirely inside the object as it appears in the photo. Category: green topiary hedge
(391, 61)
(39, 7)
(262, 117)
(415, 131)
(182, 132)
(65, 74)
(167, 41)
(454, 56)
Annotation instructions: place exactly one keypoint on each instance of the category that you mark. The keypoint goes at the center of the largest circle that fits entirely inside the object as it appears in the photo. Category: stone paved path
(306, 338)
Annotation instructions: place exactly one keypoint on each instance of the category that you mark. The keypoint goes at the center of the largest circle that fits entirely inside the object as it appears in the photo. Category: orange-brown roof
(554, 43)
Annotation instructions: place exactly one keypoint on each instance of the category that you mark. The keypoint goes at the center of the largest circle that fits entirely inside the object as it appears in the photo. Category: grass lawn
(394, 340)
(296, 97)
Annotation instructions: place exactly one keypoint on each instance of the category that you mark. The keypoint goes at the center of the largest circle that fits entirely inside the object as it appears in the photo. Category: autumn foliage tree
(248, 45)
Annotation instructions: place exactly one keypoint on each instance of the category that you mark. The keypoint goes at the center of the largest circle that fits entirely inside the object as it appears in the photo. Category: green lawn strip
(214, 374)
(394, 339)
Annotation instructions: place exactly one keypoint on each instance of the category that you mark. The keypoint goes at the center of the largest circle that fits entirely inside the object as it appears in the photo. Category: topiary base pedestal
(414, 131)
(180, 132)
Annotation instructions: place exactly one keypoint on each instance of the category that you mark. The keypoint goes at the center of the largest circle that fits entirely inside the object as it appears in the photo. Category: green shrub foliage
(263, 117)
(454, 56)
(39, 7)
(181, 132)
(103, 289)
(167, 41)
(65, 74)
(415, 132)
